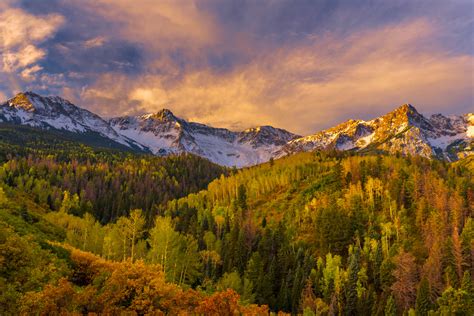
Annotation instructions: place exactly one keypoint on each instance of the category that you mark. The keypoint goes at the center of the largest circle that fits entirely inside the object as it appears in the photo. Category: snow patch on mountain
(470, 129)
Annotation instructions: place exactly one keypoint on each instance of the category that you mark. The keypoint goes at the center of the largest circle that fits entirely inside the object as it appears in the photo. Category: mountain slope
(403, 130)
(163, 133)
(55, 113)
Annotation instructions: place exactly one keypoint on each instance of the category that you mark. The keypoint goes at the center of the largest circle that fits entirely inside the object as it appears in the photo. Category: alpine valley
(404, 130)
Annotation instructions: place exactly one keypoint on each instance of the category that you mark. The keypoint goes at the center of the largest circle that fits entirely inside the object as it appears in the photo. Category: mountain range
(403, 130)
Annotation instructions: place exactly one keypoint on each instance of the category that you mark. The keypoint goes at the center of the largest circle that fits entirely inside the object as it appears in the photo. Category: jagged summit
(29, 97)
(32, 102)
(162, 115)
(35, 104)
(407, 108)
(405, 113)
(45, 105)
(267, 135)
(22, 100)
(268, 130)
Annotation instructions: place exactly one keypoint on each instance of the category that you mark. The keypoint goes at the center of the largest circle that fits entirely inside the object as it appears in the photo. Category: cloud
(324, 80)
(18, 28)
(20, 33)
(19, 59)
(302, 65)
(29, 74)
(165, 25)
(94, 42)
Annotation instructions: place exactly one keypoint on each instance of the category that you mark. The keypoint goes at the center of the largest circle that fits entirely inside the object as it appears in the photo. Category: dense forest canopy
(105, 182)
(315, 233)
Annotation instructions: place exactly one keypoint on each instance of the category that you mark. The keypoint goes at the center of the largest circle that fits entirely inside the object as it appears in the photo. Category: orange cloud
(18, 27)
(157, 25)
(306, 87)
(20, 33)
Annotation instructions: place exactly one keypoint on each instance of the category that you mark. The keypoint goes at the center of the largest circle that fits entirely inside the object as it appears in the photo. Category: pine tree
(377, 265)
(254, 273)
(423, 298)
(242, 198)
(467, 285)
(450, 277)
(404, 287)
(351, 289)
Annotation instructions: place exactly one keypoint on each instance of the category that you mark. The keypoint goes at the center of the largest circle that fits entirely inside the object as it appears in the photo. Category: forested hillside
(103, 181)
(314, 233)
(108, 189)
(328, 234)
(47, 199)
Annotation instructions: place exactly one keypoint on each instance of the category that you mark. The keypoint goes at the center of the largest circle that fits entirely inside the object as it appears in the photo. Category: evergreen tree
(242, 197)
(404, 287)
(255, 274)
(351, 287)
(377, 265)
(423, 298)
(467, 285)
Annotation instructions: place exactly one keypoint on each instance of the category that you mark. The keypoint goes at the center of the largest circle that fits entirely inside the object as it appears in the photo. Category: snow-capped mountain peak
(406, 109)
(32, 102)
(402, 130)
(23, 101)
(53, 112)
(164, 133)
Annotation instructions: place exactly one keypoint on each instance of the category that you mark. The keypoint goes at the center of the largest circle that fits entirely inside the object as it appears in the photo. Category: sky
(302, 65)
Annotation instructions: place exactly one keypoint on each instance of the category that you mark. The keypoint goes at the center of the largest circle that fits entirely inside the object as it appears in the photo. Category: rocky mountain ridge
(54, 112)
(402, 130)
(163, 133)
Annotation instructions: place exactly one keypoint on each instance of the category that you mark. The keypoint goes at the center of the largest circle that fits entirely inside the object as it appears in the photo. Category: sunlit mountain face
(303, 66)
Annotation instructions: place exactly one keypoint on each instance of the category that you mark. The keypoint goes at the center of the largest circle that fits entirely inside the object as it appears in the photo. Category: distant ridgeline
(403, 130)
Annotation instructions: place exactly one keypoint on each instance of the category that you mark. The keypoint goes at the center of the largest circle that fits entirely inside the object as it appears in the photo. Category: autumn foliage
(104, 287)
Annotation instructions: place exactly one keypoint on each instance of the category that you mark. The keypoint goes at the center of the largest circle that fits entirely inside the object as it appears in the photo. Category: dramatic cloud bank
(300, 65)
